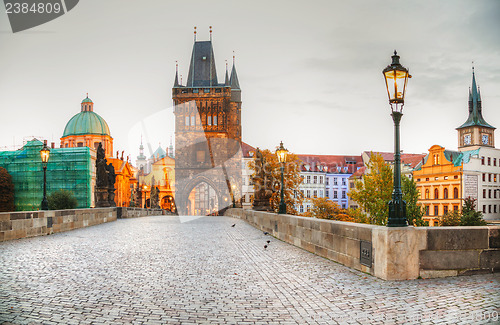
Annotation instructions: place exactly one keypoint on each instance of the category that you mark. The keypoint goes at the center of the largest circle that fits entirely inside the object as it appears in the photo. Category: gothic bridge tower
(207, 136)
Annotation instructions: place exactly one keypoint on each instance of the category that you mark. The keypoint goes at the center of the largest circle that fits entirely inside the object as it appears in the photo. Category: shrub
(61, 200)
(452, 218)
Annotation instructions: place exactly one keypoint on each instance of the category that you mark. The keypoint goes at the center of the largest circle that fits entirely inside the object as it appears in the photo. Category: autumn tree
(468, 217)
(374, 192)
(292, 180)
(323, 208)
(6, 191)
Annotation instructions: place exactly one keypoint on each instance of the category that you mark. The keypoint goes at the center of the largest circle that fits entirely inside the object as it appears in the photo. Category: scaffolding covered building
(71, 169)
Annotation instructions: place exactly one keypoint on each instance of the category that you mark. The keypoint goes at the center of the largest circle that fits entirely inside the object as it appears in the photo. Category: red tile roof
(407, 158)
(246, 149)
(332, 162)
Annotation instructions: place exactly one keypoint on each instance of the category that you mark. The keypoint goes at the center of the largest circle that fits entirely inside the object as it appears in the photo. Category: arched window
(436, 194)
(455, 193)
(445, 193)
(427, 193)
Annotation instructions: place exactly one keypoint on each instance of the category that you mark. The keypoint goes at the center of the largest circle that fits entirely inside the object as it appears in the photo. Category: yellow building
(439, 180)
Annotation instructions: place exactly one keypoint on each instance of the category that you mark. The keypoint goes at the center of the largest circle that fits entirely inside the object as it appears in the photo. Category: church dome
(86, 122)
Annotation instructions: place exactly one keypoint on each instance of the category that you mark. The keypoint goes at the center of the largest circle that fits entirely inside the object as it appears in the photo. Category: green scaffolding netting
(68, 168)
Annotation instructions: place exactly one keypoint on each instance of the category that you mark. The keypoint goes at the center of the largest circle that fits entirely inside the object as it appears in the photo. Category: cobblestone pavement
(171, 270)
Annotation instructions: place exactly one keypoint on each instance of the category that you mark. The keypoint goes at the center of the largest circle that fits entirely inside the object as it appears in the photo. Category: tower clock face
(485, 139)
(467, 139)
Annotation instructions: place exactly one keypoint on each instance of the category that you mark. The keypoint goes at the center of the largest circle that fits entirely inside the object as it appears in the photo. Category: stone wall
(388, 253)
(15, 225)
(123, 213)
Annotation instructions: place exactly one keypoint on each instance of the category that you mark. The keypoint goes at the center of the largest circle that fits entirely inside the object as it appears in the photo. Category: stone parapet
(15, 225)
(398, 253)
(124, 212)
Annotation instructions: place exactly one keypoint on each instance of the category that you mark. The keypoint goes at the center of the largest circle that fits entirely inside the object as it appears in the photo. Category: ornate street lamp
(282, 154)
(45, 154)
(234, 189)
(396, 77)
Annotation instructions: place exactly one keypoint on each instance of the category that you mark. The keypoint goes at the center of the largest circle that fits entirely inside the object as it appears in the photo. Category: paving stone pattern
(171, 270)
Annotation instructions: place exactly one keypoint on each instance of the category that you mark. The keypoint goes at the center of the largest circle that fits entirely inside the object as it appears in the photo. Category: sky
(310, 71)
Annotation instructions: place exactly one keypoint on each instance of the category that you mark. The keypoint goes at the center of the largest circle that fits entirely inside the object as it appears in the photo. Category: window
(315, 179)
(436, 194)
(489, 194)
(436, 210)
(484, 177)
(484, 208)
(193, 121)
(79, 144)
(343, 195)
(489, 208)
(445, 193)
(187, 121)
(495, 209)
(418, 179)
(321, 179)
(335, 194)
(308, 207)
(494, 194)
(427, 179)
(302, 192)
(335, 181)
(445, 209)
(455, 177)
(215, 119)
(343, 205)
(343, 181)
(482, 160)
(489, 177)
(495, 178)
(206, 90)
(327, 193)
(446, 177)
(209, 120)
(484, 194)
(489, 161)
(351, 185)
(200, 156)
(196, 90)
(320, 193)
(327, 180)
(494, 161)
(455, 208)
(308, 194)
(426, 210)
(427, 194)
(308, 179)
(301, 209)
(315, 193)
(455, 193)
(436, 178)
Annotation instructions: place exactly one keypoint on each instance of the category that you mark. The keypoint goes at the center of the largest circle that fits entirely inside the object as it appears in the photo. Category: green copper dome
(86, 122)
(87, 100)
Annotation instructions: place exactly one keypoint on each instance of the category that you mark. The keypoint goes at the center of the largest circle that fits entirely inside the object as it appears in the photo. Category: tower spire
(226, 80)
(235, 84)
(176, 81)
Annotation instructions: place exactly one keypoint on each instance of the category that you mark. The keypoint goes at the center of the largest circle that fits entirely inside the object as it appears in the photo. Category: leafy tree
(471, 217)
(325, 209)
(452, 218)
(6, 191)
(358, 215)
(62, 199)
(374, 192)
(414, 212)
(468, 217)
(291, 176)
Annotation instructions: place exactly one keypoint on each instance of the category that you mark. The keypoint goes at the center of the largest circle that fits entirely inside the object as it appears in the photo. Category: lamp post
(145, 188)
(45, 154)
(234, 188)
(396, 77)
(282, 153)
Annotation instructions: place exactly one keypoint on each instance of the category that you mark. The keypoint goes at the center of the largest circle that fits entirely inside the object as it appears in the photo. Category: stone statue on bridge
(105, 181)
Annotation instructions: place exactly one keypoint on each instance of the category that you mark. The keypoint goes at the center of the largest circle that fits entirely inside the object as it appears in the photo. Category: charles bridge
(164, 269)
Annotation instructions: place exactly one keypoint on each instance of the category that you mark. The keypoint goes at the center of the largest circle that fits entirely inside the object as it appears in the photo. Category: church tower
(475, 131)
(207, 135)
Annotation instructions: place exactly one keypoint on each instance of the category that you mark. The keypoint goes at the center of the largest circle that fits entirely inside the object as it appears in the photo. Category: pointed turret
(176, 81)
(202, 72)
(226, 80)
(475, 110)
(235, 84)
